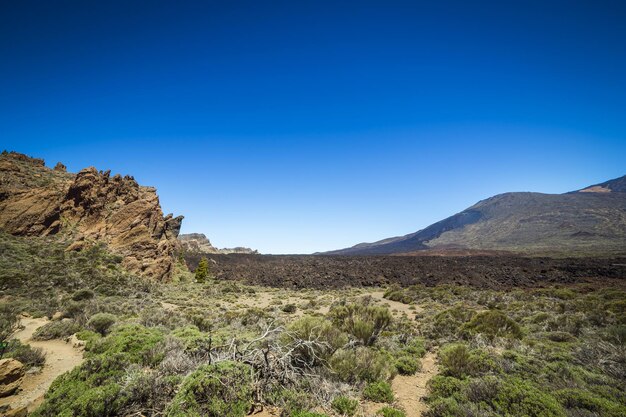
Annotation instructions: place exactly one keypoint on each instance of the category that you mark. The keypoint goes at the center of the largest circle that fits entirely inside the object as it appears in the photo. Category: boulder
(11, 374)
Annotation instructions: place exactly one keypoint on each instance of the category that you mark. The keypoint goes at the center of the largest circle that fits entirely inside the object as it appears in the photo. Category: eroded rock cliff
(91, 206)
(199, 243)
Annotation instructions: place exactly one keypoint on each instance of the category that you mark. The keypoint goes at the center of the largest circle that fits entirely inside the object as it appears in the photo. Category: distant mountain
(199, 243)
(587, 221)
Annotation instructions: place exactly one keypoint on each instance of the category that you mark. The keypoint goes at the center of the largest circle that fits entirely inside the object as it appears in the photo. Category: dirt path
(60, 358)
(409, 390)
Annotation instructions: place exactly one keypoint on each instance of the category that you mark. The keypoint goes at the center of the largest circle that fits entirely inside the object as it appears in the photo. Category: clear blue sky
(300, 126)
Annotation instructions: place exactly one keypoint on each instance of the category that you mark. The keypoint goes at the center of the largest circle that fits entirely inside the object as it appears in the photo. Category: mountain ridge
(588, 220)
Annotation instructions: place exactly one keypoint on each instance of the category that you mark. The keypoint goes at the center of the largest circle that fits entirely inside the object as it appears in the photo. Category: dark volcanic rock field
(301, 271)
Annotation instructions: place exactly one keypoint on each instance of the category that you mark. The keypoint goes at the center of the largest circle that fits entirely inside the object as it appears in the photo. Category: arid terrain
(496, 272)
(106, 312)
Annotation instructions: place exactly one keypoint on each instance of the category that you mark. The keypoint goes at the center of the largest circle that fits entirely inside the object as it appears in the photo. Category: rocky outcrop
(199, 243)
(11, 375)
(91, 206)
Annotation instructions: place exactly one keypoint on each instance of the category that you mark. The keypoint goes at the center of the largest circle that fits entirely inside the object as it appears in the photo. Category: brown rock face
(91, 206)
(199, 243)
(11, 374)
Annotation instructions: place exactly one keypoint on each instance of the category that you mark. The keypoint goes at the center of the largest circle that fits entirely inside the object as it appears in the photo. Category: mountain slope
(588, 221)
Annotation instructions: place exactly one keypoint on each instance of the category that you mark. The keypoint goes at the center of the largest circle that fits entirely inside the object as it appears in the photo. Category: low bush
(459, 361)
(223, 389)
(522, 398)
(390, 412)
(494, 323)
(484, 389)
(379, 391)
(56, 330)
(8, 320)
(84, 294)
(415, 347)
(344, 406)
(578, 400)
(448, 323)
(440, 386)
(306, 414)
(191, 337)
(89, 390)
(363, 321)
(289, 308)
(407, 365)
(290, 400)
(132, 340)
(327, 339)
(88, 336)
(29, 356)
(446, 407)
(361, 364)
(102, 322)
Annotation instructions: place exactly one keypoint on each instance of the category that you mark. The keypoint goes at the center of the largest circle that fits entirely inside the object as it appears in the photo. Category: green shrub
(379, 392)
(102, 322)
(289, 308)
(407, 365)
(447, 407)
(306, 414)
(88, 336)
(390, 412)
(448, 323)
(290, 400)
(132, 340)
(223, 389)
(362, 364)
(8, 320)
(29, 356)
(482, 390)
(84, 294)
(494, 323)
(56, 330)
(87, 391)
(444, 386)
(415, 347)
(577, 399)
(459, 361)
(191, 337)
(364, 322)
(616, 335)
(327, 337)
(344, 406)
(522, 398)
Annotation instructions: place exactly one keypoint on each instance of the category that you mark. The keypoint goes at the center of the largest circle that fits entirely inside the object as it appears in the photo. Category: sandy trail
(60, 358)
(409, 390)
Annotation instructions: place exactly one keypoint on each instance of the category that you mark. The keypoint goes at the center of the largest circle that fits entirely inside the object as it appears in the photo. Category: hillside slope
(88, 207)
(588, 221)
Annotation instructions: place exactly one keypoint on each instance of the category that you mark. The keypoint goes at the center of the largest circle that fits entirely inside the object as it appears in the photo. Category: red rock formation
(88, 207)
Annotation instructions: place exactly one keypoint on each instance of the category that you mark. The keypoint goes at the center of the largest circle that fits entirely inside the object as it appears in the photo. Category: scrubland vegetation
(222, 348)
(540, 352)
